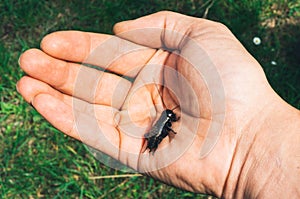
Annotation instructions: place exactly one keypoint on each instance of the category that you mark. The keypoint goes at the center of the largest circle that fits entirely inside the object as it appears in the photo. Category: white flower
(256, 40)
(274, 63)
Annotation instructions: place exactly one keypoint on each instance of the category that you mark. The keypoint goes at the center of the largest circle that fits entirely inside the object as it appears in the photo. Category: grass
(37, 161)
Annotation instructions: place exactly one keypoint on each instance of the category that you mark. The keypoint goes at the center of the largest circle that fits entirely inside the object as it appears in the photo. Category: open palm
(156, 62)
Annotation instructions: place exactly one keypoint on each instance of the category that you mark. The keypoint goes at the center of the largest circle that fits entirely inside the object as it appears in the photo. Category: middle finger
(106, 51)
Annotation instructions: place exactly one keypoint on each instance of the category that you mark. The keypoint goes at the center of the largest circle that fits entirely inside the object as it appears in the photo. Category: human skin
(257, 150)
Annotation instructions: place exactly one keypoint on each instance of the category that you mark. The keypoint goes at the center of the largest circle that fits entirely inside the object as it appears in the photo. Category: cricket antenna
(175, 108)
(162, 97)
(157, 89)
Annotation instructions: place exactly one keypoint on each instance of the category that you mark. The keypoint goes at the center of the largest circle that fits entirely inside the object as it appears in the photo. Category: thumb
(159, 30)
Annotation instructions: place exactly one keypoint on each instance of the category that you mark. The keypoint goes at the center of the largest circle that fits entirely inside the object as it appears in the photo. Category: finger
(78, 125)
(109, 52)
(162, 29)
(29, 88)
(92, 131)
(73, 79)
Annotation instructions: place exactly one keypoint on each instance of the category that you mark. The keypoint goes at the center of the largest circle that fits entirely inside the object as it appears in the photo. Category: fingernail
(17, 87)
(19, 60)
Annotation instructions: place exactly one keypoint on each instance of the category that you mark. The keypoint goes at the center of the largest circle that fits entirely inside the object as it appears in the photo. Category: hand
(174, 60)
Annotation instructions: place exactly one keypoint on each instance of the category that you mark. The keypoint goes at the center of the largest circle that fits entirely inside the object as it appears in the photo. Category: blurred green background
(37, 161)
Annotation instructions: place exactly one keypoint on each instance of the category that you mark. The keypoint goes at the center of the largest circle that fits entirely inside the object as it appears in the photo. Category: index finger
(106, 51)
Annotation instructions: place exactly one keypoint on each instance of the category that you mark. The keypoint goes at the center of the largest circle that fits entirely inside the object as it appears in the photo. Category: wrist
(266, 163)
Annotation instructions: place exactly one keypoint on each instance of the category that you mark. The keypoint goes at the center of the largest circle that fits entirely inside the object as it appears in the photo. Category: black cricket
(161, 129)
